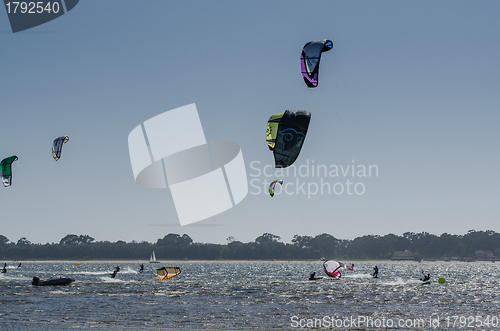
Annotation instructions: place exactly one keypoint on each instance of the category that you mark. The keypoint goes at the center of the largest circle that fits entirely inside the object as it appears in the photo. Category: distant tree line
(265, 247)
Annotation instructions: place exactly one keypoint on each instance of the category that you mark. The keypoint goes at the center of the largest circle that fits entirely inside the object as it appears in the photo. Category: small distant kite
(309, 61)
(6, 170)
(167, 272)
(273, 184)
(57, 146)
(285, 135)
(349, 267)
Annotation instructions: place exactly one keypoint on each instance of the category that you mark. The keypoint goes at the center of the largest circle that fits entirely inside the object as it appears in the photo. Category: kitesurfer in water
(19, 266)
(375, 272)
(142, 268)
(312, 276)
(4, 270)
(117, 269)
(426, 277)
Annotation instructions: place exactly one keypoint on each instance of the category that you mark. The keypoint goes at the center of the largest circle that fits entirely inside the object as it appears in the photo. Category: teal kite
(6, 170)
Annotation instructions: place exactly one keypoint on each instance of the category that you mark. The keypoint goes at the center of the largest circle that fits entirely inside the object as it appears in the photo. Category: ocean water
(252, 295)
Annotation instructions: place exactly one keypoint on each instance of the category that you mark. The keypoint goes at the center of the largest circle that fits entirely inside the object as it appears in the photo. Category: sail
(309, 60)
(332, 268)
(152, 259)
(349, 267)
(167, 272)
(6, 170)
(273, 184)
(291, 134)
(272, 130)
(57, 146)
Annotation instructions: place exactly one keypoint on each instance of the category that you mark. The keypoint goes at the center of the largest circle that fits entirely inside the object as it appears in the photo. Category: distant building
(402, 255)
(484, 255)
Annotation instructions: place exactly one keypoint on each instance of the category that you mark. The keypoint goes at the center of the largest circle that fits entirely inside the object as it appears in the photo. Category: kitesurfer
(426, 277)
(375, 272)
(117, 269)
(312, 276)
(4, 270)
(142, 268)
(19, 266)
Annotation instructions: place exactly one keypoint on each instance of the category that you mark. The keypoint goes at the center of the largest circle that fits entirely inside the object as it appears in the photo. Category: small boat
(52, 281)
(153, 258)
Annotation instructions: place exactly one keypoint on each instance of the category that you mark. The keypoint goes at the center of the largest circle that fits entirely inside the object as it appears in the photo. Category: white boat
(152, 259)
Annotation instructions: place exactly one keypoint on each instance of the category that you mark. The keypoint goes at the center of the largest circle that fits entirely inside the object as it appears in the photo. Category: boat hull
(52, 281)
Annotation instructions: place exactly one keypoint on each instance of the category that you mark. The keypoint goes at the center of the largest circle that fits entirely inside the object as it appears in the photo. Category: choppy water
(252, 295)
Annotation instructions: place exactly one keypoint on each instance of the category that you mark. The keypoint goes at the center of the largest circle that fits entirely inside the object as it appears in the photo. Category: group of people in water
(117, 269)
(113, 275)
(312, 276)
(424, 278)
(4, 269)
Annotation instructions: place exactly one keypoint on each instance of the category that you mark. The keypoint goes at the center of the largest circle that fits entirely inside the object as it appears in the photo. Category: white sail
(153, 258)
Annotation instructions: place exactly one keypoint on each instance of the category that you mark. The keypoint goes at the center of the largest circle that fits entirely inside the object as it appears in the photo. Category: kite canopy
(273, 184)
(309, 61)
(272, 130)
(332, 268)
(57, 146)
(167, 272)
(349, 267)
(285, 135)
(6, 170)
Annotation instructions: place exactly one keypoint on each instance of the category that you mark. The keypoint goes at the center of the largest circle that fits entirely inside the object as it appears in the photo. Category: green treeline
(266, 247)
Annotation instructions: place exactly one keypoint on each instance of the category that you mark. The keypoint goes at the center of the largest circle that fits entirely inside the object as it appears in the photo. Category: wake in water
(8, 278)
(358, 276)
(115, 280)
(95, 273)
(400, 281)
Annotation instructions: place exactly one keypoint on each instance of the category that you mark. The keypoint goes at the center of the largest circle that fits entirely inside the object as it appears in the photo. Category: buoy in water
(77, 264)
(441, 280)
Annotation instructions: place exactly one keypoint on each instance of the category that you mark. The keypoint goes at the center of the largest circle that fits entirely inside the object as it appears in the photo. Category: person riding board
(4, 270)
(117, 269)
(312, 276)
(375, 272)
(142, 268)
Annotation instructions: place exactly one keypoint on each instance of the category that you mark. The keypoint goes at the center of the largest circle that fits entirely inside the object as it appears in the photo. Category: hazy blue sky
(410, 86)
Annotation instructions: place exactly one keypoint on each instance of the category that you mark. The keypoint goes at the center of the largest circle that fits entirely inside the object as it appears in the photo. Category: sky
(410, 88)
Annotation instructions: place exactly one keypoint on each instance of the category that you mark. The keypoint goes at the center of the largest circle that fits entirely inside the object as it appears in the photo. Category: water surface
(251, 295)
